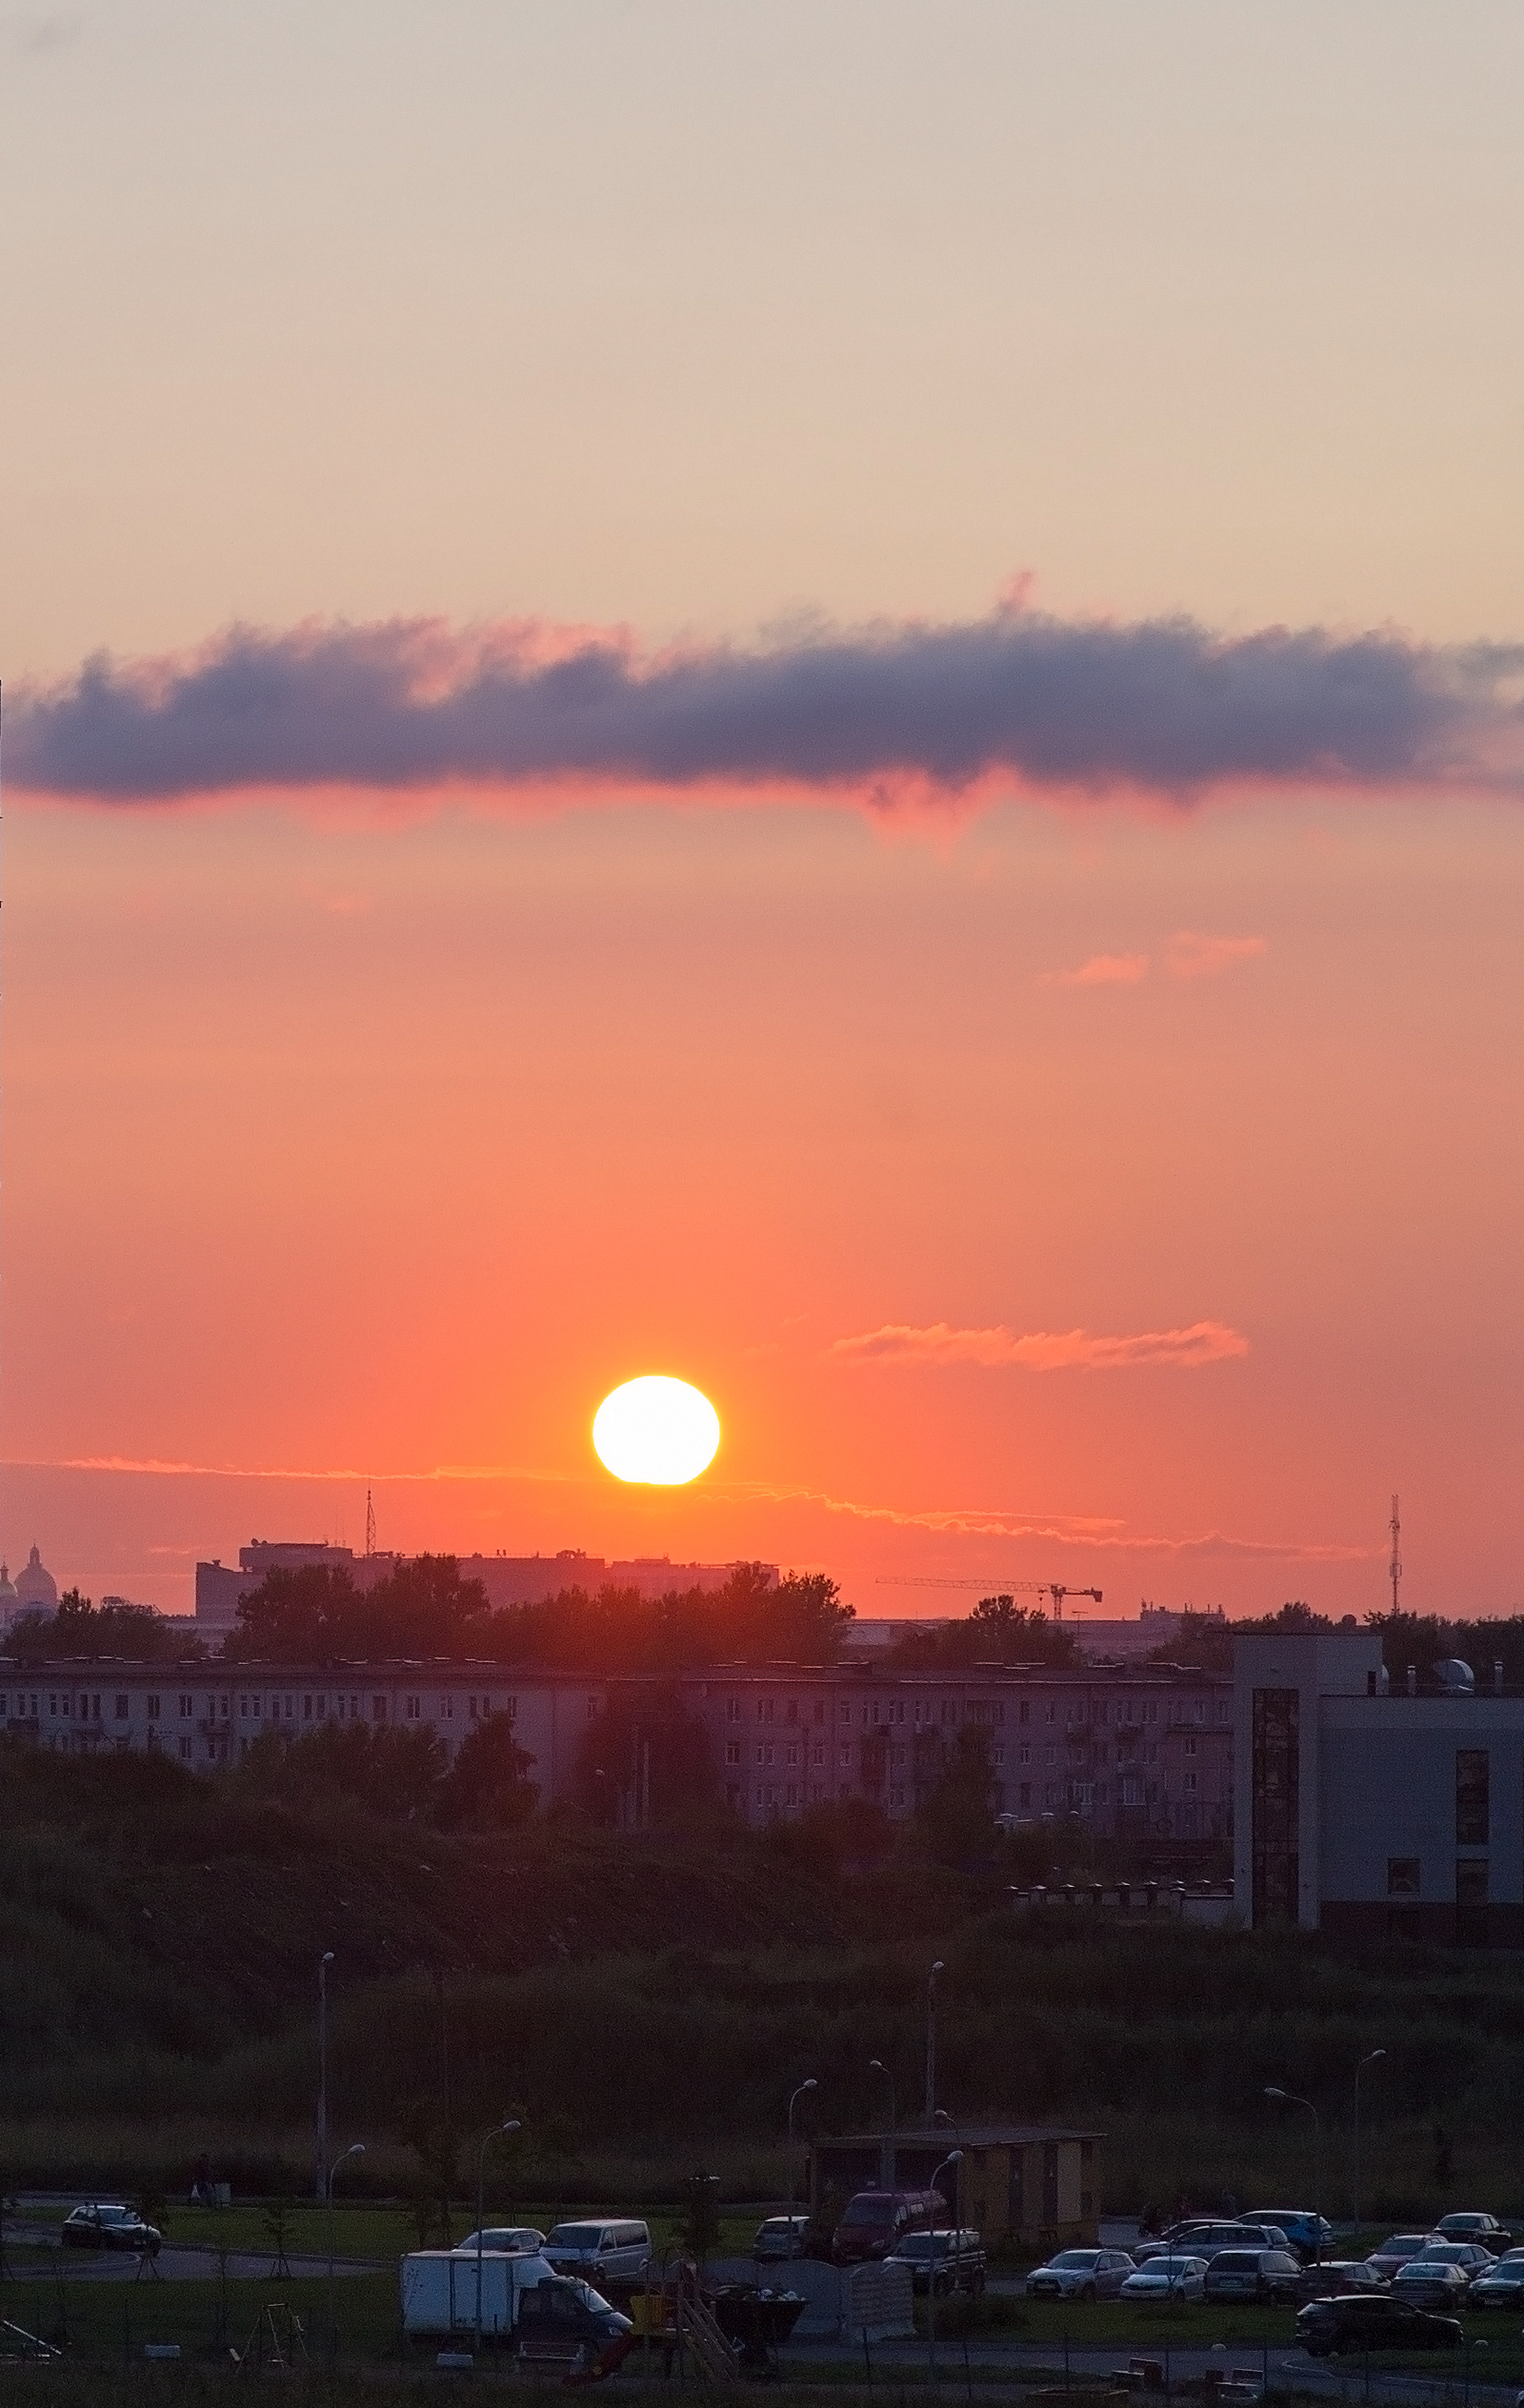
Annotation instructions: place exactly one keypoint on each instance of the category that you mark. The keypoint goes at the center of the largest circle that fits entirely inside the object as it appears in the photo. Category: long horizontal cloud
(1019, 699)
(1043, 1350)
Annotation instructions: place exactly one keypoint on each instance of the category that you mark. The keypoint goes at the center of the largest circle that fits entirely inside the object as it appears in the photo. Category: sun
(659, 1431)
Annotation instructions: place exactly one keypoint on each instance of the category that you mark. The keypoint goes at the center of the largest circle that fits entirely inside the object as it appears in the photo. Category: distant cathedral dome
(36, 1584)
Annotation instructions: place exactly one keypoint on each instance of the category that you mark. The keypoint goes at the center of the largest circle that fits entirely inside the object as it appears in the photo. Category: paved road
(172, 2265)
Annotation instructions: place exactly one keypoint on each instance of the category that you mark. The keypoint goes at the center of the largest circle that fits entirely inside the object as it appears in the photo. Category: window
(793, 1753)
(592, 1709)
(306, 1708)
(760, 1753)
(1025, 1755)
(184, 1750)
(998, 1755)
(1050, 1756)
(1049, 1711)
(1026, 1794)
(817, 1753)
(121, 1709)
(414, 1710)
(733, 1751)
(1402, 1877)
(1190, 1747)
(153, 1708)
(844, 1713)
(846, 1758)
(792, 1715)
(1472, 1804)
(186, 1709)
(322, 1709)
(792, 1798)
(1189, 1785)
(1024, 1710)
(733, 1710)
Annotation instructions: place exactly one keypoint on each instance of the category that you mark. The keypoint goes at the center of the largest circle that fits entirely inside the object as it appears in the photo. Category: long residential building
(1126, 1748)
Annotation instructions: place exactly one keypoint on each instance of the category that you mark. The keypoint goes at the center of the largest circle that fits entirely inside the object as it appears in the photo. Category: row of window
(877, 1712)
(86, 1705)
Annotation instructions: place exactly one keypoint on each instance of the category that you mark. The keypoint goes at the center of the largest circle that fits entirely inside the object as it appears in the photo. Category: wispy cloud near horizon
(1042, 1350)
(886, 714)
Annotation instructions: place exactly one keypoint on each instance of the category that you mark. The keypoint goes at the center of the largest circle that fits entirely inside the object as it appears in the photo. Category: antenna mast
(369, 1523)
(1396, 1556)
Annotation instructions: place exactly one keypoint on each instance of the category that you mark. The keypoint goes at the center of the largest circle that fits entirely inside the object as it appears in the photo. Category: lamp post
(931, 2042)
(323, 1964)
(794, 2097)
(1373, 2059)
(876, 2065)
(953, 2158)
(494, 2132)
(355, 2149)
(1288, 2099)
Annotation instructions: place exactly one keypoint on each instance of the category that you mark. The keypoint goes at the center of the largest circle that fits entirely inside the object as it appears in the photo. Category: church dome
(36, 1584)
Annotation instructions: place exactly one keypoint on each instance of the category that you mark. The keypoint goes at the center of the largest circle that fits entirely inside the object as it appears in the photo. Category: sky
(826, 700)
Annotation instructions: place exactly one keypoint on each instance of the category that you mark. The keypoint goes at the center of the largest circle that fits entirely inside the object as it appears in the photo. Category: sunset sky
(824, 699)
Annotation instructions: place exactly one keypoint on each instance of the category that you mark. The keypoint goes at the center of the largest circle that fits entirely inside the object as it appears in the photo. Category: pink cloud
(1102, 969)
(1042, 1350)
(1189, 954)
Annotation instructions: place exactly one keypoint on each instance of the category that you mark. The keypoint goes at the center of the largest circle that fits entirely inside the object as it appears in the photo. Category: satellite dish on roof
(1456, 1677)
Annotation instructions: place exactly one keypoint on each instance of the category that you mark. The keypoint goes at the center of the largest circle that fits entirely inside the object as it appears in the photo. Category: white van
(602, 2249)
(439, 2290)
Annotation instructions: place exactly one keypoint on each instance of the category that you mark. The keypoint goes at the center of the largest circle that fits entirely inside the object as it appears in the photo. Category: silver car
(1081, 2273)
(1166, 2279)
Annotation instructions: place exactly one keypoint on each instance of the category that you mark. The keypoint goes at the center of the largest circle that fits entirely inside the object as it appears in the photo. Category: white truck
(439, 2291)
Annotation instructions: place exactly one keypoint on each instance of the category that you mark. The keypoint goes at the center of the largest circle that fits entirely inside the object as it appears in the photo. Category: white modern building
(1373, 1809)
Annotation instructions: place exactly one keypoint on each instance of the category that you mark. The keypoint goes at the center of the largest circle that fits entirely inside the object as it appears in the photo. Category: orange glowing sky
(1107, 1186)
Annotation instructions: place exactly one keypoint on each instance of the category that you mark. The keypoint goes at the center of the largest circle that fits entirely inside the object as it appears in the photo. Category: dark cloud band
(1162, 707)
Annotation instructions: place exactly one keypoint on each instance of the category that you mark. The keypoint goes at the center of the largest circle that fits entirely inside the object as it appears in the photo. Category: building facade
(1034, 2184)
(1376, 1812)
(1145, 1750)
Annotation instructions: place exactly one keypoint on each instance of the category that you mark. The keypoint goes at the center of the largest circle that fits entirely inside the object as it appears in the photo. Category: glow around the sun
(656, 1430)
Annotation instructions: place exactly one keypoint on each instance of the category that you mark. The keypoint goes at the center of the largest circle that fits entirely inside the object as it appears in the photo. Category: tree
(75, 1627)
(645, 1759)
(959, 1816)
(487, 1788)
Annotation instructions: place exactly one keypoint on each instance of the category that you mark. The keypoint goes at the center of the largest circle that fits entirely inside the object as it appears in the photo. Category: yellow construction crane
(1053, 1589)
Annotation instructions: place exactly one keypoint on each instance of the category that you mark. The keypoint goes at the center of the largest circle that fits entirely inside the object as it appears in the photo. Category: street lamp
(324, 1962)
(1373, 2059)
(876, 2065)
(793, 2096)
(1288, 2099)
(355, 2149)
(494, 2132)
(953, 2160)
(931, 2042)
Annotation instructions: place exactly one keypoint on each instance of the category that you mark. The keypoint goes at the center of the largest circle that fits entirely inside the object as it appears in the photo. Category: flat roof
(968, 2137)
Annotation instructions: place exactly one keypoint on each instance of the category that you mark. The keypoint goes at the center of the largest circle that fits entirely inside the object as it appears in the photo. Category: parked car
(1340, 2279)
(1165, 2278)
(1081, 2273)
(1309, 2234)
(1502, 2286)
(567, 2321)
(100, 2226)
(1253, 2274)
(1376, 2321)
(875, 2222)
(1394, 2254)
(1431, 2282)
(779, 2236)
(943, 2261)
(504, 2240)
(610, 2250)
(1469, 2224)
(1202, 2237)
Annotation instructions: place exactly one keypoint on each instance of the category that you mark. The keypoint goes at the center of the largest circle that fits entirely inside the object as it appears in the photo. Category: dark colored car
(1372, 2321)
(943, 2261)
(566, 2319)
(1394, 2254)
(1340, 2279)
(1253, 2274)
(98, 2227)
(1470, 2223)
(877, 2222)
(1502, 2287)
